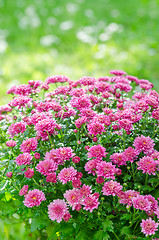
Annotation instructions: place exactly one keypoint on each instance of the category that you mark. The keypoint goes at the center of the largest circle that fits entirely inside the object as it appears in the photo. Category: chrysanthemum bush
(81, 161)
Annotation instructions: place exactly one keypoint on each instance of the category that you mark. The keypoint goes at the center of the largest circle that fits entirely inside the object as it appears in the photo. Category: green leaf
(66, 229)
(127, 177)
(98, 235)
(125, 231)
(126, 216)
(81, 235)
(34, 225)
(38, 222)
(107, 225)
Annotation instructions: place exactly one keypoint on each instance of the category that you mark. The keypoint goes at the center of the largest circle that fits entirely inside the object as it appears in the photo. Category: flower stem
(115, 235)
(133, 171)
(146, 179)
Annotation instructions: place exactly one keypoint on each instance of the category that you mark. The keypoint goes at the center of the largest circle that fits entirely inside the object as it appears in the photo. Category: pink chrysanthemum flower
(117, 72)
(123, 86)
(107, 110)
(135, 118)
(46, 106)
(94, 99)
(140, 106)
(56, 78)
(118, 158)
(64, 153)
(141, 202)
(24, 190)
(157, 212)
(97, 151)
(77, 92)
(76, 183)
(125, 124)
(5, 108)
(67, 216)
(130, 154)
(155, 155)
(61, 90)
(155, 114)
(90, 203)
(37, 155)
(23, 159)
(90, 166)
(46, 127)
(20, 101)
(133, 79)
(73, 197)
(51, 177)
(149, 226)
(76, 159)
(99, 180)
(29, 145)
(103, 79)
(34, 83)
(70, 112)
(88, 113)
(102, 87)
(45, 167)
(144, 144)
(11, 143)
(86, 80)
(111, 188)
(9, 174)
(152, 200)
(127, 197)
(104, 119)
(85, 190)
(54, 156)
(11, 90)
(44, 86)
(57, 210)
(138, 95)
(106, 170)
(80, 121)
(152, 101)
(67, 174)
(145, 84)
(36, 117)
(29, 173)
(106, 94)
(22, 89)
(80, 102)
(34, 198)
(95, 128)
(114, 117)
(147, 165)
(16, 128)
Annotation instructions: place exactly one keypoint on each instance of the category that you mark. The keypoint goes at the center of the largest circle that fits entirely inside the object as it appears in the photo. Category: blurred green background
(75, 37)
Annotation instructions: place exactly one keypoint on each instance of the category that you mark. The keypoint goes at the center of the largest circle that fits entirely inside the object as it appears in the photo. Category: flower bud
(95, 139)
(9, 174)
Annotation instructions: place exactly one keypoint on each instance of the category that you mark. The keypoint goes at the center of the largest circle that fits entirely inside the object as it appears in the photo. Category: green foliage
(48, 37)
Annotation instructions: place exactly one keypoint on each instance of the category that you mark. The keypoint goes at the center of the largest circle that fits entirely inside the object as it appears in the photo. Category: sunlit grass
(96, 60)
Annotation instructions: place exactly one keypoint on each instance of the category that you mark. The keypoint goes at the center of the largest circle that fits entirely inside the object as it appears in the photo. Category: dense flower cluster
(86, 148)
